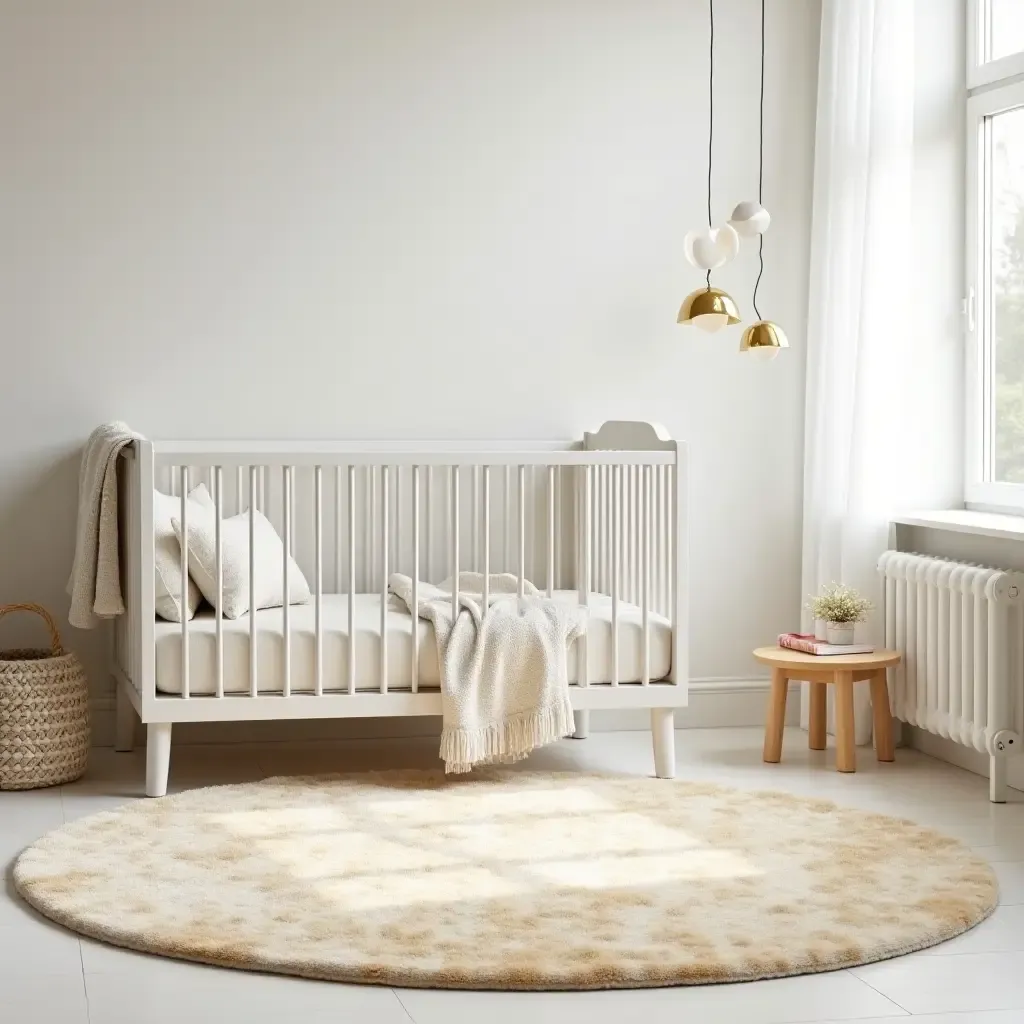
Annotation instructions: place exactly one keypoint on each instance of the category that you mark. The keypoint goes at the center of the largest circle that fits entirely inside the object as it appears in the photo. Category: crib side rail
(351, 518)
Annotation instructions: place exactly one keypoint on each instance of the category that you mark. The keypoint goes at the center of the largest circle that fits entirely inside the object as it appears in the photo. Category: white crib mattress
(270, 649)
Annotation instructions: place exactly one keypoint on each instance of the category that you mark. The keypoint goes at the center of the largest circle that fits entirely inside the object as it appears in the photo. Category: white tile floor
(47, 975)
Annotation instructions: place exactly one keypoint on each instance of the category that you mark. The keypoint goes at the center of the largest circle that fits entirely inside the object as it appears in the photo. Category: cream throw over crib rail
(600, 522)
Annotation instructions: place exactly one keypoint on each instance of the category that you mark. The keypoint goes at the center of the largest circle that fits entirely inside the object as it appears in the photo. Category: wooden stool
(842, 671)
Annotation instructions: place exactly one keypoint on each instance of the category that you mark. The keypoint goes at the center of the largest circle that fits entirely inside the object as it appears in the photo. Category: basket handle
(56, 647)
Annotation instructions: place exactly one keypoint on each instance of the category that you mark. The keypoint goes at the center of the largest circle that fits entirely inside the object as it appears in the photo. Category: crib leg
(158, 757)
(997, 780)
(124, 726)
(582, 722)
(663, 733)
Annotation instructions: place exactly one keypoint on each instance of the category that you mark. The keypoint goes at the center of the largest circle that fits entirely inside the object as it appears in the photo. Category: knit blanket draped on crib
(504, 675)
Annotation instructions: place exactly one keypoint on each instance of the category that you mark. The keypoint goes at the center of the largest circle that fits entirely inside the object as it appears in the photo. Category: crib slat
(487, 540)
(645, 571)
(370, 547)
(559, 568)
(253, 683)
(351, 579)
(551, 531)
(427, 520)
(318, 578)
(239, 484)
(337, 529)
(218, 514)
(396, 514)
(286, 536)
(183, 597)
(415, 577)
(583, 670)
(454, 519)
(616, 553)
(507, 564)
(522, 530)
(659, 541)
(385, 482)
(475, 518)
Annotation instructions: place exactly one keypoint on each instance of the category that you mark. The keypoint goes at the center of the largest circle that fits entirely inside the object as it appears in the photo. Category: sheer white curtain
(859, 362)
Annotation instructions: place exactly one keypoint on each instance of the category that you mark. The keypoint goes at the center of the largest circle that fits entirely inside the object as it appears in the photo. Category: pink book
(806, 643)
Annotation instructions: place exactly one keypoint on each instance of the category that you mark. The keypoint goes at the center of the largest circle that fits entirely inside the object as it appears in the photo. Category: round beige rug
(507, 880)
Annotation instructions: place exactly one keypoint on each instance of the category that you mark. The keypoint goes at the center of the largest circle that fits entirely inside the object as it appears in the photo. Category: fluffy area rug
(506, 880)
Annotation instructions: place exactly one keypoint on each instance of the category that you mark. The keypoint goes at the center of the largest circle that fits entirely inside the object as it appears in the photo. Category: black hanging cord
(711, 108)
(760, 170)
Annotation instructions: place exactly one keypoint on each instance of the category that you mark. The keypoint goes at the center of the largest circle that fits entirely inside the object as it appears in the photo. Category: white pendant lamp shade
(749, 219)
(711, 248)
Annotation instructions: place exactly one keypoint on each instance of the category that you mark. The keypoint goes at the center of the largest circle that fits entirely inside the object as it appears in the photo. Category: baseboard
(963, 757)
(714, 703)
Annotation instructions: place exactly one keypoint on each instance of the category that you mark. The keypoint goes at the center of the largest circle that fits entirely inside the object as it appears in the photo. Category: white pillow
(167, 553)
(202, 563)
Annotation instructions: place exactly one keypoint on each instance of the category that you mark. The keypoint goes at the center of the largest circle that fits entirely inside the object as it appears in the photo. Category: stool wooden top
(782, 657)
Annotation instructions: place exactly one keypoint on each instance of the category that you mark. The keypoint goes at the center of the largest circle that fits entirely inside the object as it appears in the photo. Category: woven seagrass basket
(44, 712)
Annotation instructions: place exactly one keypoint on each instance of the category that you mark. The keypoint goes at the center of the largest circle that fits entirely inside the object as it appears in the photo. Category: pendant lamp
(763, 338)
(710, 308)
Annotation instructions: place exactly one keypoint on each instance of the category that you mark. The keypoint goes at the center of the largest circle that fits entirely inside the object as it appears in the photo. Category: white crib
(601, 522)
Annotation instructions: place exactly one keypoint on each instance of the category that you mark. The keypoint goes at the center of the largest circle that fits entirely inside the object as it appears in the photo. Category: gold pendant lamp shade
(764, 339)
(708, 308)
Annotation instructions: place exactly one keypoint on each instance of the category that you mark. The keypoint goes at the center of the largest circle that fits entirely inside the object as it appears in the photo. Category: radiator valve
(1005, 741)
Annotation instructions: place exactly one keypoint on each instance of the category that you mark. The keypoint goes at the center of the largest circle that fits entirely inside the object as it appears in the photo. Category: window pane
(1006, 235)
(1006, 27)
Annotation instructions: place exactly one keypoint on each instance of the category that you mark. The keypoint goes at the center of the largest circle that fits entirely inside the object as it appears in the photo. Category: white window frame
(980, 70)
(993, 87)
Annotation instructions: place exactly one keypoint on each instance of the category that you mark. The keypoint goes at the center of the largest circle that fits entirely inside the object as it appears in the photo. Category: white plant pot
(840, 633)
(820, 629)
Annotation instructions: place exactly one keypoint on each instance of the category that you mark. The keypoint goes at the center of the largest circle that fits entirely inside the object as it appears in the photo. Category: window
(995, 255)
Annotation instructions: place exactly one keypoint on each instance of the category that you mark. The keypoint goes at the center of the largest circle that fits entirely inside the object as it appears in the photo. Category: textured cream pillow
(167, 553)
(202, 563)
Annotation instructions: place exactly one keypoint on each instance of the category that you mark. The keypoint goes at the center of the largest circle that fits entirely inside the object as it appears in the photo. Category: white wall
(332, 218)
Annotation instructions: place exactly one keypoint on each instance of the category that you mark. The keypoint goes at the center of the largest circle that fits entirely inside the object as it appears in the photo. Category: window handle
(968, 309)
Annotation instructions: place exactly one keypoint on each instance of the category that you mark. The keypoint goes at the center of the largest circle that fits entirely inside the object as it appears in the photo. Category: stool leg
(881, 716)
(846, 752)
(776, 717)
(816, 726)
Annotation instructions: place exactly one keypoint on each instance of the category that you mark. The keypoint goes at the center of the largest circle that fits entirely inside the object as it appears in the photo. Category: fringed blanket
(504, 676)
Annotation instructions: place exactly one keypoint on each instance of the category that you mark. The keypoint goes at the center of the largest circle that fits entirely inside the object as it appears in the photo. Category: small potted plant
(840, 608)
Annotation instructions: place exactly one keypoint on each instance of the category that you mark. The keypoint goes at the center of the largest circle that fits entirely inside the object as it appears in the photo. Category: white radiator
(960, 629)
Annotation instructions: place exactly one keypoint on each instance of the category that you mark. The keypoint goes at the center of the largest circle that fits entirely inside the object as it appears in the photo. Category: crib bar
(370, 544)
(455, 540)
(286, 503)
(415, 681)
(475, 519)
(659, 542)
(351, 579)
(616, 564)
(507, 563)
(318, 580)
(396, 522)
(559, 571)
(337, 529)
(487, 540)
(583, 670)
(183, 596)
(385, 484)
(551, 531)
(522, 531)
(239, 484)
(218, 515)
(253, 684)
(263, 489)
(670, 518)
(643, 515)
(427, 519)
